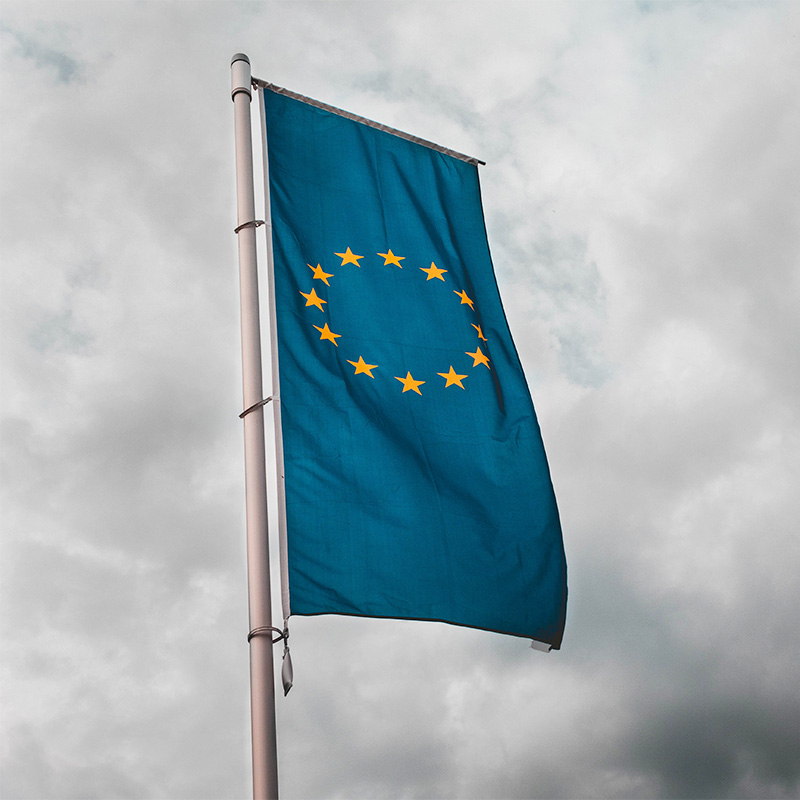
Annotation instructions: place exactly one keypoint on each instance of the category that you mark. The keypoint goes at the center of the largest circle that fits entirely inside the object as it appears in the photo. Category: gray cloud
(641, 207)
(34, 46)
(731, 747)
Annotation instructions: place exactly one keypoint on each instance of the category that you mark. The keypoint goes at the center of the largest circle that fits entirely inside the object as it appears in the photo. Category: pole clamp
(268, 629)
(254, 223)
(254, 407)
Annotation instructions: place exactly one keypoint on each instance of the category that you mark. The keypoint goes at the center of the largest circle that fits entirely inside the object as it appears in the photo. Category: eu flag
(416, 482)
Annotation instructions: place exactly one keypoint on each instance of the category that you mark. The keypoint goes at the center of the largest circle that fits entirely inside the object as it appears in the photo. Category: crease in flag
(416, 484)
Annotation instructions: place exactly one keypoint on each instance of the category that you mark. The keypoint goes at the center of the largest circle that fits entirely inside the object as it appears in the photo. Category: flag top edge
(261, 84)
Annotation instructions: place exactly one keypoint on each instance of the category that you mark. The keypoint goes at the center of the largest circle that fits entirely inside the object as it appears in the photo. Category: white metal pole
(262, 685)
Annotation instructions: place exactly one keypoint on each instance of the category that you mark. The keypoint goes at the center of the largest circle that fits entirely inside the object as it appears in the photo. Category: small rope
(254, 407)
(254, 223)
(282, 634)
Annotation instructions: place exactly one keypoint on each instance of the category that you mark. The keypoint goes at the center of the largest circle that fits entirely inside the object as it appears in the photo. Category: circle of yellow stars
(361, 367)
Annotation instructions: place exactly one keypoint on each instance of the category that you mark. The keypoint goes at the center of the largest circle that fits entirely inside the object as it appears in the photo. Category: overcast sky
(642, 195)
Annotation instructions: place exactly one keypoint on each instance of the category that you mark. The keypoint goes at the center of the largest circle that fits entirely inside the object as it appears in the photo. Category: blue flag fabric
(416, 481)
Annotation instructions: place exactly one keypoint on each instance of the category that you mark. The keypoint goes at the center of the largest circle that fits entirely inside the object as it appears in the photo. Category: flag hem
(556, 645)
(286, 604)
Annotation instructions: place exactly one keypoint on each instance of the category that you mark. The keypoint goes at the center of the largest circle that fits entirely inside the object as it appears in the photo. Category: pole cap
(240, 75)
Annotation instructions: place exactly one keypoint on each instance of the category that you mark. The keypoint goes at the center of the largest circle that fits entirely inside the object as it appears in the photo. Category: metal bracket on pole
(255, 406)
(254, 223)
(282, 634)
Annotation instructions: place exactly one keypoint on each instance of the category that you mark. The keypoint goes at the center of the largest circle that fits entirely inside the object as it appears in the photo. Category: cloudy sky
(642, 197)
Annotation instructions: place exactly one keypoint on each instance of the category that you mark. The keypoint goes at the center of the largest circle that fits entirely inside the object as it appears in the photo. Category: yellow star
(391, 258)
(326, 333)
(480, 332)
(312, 299)
(409, 383)
(362, 366)
(434, 272)
(320, 274)
(452, 378)
(464, 299)
(480, 358)
(348, 257)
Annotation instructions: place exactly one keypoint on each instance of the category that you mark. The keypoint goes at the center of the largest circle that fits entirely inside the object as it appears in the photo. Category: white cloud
(641, 206)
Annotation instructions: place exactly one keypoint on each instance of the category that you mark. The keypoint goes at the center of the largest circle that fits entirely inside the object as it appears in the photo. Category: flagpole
(262, 685)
